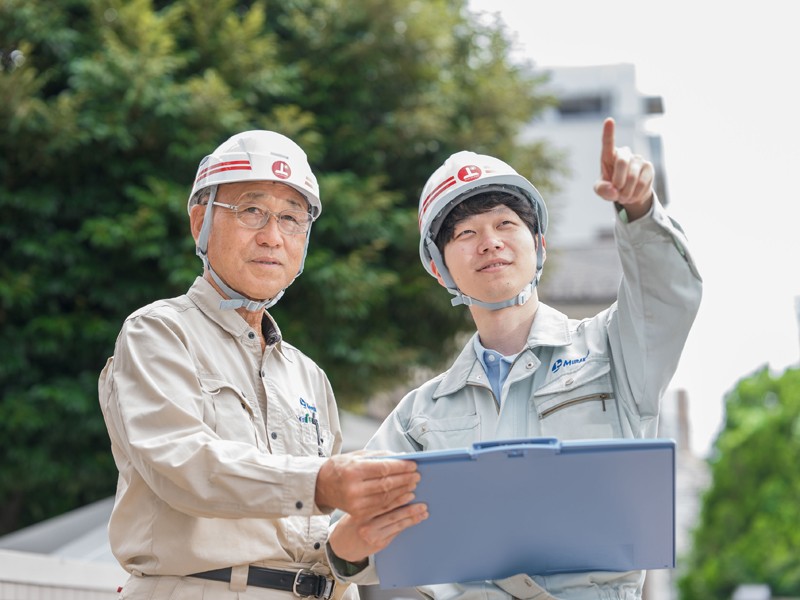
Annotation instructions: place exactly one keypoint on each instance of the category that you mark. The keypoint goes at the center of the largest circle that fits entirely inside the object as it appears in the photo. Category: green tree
(108, 105)
(748, 530)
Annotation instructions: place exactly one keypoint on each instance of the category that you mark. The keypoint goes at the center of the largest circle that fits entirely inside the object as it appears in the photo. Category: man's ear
(437, 274)
(196, 216)
(544, 248)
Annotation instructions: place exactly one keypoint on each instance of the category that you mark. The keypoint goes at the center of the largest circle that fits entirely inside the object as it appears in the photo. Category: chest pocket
(307, 435)
(227, 411)
(445, 433)
(580, 404)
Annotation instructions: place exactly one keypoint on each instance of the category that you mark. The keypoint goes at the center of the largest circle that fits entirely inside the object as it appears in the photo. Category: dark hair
(480, 204)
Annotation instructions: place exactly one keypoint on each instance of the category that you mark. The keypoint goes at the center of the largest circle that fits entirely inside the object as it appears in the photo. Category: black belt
(301, 583)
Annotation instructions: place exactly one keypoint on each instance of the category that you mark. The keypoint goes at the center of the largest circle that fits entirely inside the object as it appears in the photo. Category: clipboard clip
(517, 447)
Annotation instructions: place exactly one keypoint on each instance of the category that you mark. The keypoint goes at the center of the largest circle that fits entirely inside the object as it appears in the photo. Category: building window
(589, 105)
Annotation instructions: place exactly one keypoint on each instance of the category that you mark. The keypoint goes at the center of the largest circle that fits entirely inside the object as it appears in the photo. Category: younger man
(530, 371)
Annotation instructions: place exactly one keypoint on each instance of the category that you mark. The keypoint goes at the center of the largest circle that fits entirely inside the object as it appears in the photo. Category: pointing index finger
(608, 141)
(608, 153)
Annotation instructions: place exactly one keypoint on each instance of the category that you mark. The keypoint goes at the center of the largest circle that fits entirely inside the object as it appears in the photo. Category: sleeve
(153, 407)
(347, 572)
(391, 436)
(658, 300)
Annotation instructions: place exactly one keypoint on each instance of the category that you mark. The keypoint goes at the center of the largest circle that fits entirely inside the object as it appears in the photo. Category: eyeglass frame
(268, 213)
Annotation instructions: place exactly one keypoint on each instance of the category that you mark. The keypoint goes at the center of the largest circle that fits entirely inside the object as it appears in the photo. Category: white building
(586, 96)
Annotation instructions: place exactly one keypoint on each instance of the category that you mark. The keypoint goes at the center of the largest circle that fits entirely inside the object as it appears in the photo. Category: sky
(729, 74)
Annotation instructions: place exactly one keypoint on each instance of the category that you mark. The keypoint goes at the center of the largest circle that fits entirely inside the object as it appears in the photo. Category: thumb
(606, 190)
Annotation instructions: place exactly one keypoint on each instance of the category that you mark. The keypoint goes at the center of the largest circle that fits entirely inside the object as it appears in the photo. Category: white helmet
(258, 156)
(252, 156)
(462, 176)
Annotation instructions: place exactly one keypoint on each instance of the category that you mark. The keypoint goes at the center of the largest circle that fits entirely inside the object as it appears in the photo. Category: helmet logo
(281, 170)
(469, 173)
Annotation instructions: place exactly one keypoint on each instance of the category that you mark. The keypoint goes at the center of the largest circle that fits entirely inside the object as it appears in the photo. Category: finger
(362, 490)
(638, 188)
(375, 453)
(607, 149)
(383, 501)
(628, 186)
(644, 185)
(371, 476)
(398, 519)
(388, 483)
(378, 469)
(622, 162)
(393, 466)
(377, 491)
(379, 532)
(368, 506)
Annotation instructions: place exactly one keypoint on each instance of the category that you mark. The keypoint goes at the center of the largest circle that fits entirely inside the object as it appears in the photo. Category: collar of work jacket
(207, 299)
(550, 328)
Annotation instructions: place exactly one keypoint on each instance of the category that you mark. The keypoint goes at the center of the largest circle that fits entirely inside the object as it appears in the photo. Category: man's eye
(252, 210)
(290, 217)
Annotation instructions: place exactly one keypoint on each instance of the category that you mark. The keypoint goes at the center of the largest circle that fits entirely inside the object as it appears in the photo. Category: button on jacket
(601, 377)
(218, 444)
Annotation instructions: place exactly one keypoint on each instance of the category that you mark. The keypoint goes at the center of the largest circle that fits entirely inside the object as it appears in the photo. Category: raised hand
(625, 178)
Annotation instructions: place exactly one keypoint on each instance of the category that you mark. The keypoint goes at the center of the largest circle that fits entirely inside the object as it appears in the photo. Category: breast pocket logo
(310, 412)
(566, 362)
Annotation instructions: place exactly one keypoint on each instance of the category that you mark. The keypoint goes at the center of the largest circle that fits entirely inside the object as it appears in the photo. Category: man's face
(492, 255)
(258, 263)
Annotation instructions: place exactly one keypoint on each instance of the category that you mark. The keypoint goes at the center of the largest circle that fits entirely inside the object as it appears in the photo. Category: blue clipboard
(537, 506)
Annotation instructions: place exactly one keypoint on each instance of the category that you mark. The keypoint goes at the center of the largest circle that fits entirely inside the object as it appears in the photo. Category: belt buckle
(325, 593)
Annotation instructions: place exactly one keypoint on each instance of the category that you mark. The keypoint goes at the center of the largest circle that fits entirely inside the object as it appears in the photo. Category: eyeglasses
(290, 222)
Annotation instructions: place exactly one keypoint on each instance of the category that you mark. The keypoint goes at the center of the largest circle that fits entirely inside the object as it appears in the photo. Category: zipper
(602, 397)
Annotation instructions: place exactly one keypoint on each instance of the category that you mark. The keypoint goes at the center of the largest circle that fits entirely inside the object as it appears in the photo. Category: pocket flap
(582, 374)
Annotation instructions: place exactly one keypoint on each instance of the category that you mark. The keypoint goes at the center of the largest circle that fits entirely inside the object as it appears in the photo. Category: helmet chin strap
(461, 298)
(235, 299)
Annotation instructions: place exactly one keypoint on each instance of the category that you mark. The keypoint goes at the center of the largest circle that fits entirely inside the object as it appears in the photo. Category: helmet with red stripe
(462, 176)
(251, 156)
(258, 156)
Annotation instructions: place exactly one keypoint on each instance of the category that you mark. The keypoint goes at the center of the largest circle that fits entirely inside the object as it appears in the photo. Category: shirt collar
(550, 328)
(487, 356)
(207, 299)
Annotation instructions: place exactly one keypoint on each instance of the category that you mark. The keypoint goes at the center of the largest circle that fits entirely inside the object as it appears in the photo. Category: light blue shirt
(496, 366)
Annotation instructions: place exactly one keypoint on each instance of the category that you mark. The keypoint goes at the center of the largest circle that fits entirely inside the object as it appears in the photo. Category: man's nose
(489, 240)
(269, 231)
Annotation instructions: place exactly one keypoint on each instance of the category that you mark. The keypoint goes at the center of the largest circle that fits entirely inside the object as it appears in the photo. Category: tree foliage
(108, 106)
(748, 530)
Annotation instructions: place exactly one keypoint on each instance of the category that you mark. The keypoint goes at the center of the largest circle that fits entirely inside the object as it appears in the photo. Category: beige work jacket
(218, 445)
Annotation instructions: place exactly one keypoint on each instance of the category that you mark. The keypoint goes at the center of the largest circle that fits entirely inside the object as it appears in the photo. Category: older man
(225, 435)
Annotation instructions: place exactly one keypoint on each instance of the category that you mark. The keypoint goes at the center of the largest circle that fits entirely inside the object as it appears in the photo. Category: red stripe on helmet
(231, 165)
(435, 193)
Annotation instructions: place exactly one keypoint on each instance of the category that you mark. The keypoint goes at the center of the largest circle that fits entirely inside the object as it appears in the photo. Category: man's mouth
(266, 261)
(494, 264)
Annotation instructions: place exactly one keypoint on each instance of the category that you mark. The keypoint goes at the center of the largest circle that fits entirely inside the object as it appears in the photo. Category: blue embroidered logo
(567, 362)
(308, 405)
